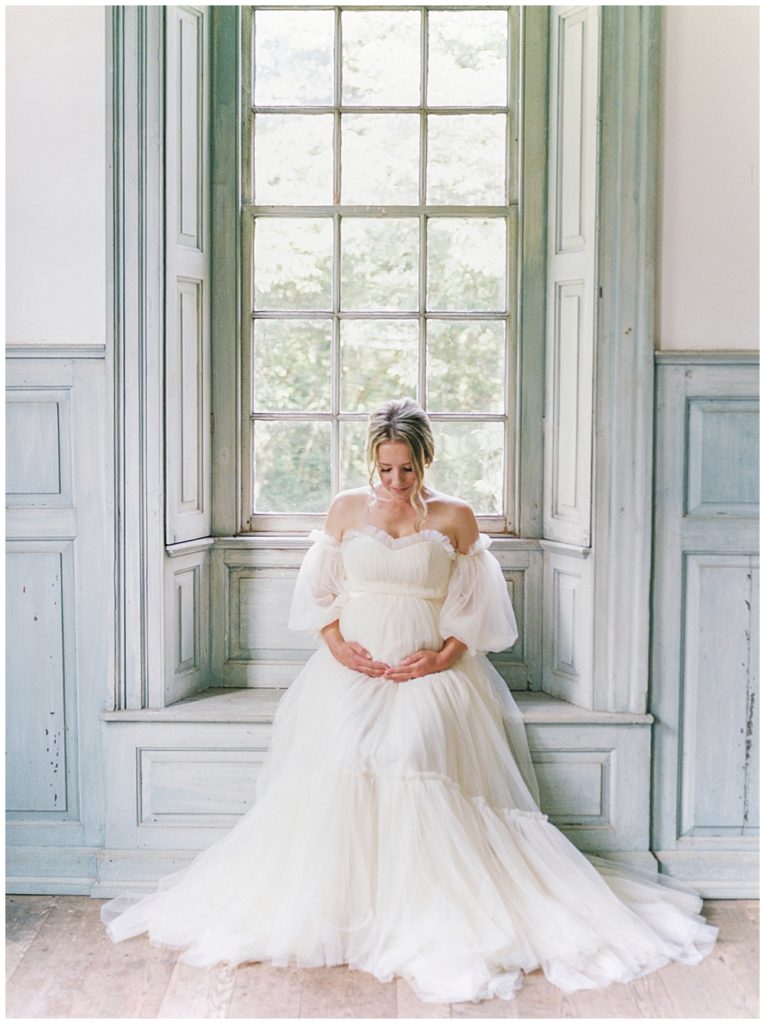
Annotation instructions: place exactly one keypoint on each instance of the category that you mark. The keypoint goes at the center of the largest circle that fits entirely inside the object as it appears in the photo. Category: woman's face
(394, 465)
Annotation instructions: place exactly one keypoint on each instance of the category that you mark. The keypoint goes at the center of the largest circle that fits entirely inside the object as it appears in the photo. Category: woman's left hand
(425, 662)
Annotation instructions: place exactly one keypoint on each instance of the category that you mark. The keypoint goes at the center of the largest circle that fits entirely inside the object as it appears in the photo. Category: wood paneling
(196, 786)
(722, 457)
(251, 595)
(187, 604)
(705, 687)
(594, 783)
(187, 274)
(38, 446)
(567, 628)
(575, 786)
(571, 284)
(38, 664)
(176, 784)
(719, 688)
(58, 634)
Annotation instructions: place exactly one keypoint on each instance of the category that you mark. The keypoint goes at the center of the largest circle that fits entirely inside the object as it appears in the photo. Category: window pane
(292, 467)
(293, 263)
(293, 58)
(467, 58)
(466, 366)
(378, 361)
(466, 159)
(380, 158)
(381, 58)
(291, 368)
(468, 463)
(379, 263)
(466, 263)
(353, 459)
(293, 159)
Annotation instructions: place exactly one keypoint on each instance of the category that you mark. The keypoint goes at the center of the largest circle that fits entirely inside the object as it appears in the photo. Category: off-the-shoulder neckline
(480, 544)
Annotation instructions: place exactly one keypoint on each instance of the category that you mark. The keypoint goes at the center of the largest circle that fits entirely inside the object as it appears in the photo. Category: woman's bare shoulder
(347, 508)
(454, 517)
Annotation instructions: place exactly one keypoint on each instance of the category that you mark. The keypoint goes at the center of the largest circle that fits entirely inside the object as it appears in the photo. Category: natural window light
(379, 247)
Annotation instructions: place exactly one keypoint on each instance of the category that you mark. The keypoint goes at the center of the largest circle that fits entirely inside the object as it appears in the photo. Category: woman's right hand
(351, 654)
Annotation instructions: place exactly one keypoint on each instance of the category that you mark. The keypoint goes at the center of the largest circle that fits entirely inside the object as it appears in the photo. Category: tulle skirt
(394, 830)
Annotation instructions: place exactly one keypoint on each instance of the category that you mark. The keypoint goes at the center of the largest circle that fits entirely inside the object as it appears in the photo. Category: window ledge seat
(258, 704)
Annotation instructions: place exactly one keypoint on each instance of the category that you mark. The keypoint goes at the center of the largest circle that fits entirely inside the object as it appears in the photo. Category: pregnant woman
(396, 826)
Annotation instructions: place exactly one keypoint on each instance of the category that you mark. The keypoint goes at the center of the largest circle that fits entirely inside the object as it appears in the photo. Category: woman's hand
(351, 654)
(424, 663)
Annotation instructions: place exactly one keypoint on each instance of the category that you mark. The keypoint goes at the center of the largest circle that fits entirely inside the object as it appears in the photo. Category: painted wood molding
(136, 133)
(623, 413)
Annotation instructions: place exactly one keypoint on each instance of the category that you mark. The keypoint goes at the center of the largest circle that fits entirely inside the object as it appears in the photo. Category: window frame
(509, 523)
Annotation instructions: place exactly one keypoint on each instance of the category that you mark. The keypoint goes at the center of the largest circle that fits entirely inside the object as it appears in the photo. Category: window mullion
(422, 370)
(506, 212)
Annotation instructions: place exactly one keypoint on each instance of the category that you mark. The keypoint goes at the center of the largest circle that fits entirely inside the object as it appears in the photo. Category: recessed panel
(189, 152)
(33, 446)
(574, 785)
(720, 724)
(515, 656)
(35, 682)
(189, 384)
(571, 128)
(568, 338)
(259, 604)
(196, 787)
(723, 457)
(566, 624)
(187, 619)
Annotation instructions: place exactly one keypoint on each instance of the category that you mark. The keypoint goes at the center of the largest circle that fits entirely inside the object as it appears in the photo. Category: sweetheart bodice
(414, 566)
(406, 593)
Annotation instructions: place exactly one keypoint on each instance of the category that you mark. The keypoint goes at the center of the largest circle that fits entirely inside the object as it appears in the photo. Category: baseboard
(105, 873)
(716, 874)
(50, 870)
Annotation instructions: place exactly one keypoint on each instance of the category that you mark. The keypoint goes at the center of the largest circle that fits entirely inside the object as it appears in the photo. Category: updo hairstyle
(402, 419)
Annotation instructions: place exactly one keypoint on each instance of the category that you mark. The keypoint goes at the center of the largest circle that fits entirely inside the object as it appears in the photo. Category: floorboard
(61, 964)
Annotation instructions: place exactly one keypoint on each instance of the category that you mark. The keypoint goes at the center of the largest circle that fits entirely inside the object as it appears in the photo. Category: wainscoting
(59, 592)
(704, 687)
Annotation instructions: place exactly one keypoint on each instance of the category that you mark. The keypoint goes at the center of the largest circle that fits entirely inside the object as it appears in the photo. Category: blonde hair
(402, 419)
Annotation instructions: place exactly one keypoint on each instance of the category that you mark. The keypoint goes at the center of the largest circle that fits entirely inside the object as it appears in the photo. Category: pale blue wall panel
(35, 753)
(704, 661)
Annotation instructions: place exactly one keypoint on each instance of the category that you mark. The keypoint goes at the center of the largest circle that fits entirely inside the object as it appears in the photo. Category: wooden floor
(61, 964)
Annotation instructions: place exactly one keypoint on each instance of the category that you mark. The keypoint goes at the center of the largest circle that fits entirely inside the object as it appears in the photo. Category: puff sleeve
(320, 591)
(477, 608)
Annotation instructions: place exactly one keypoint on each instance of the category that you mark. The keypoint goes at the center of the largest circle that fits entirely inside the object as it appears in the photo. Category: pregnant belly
(391, 626)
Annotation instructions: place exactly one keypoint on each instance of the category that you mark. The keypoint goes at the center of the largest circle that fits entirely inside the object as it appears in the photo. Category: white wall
(56, 175)
(709, 245)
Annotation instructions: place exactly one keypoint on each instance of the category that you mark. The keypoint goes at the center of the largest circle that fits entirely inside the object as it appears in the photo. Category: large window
(379, 248)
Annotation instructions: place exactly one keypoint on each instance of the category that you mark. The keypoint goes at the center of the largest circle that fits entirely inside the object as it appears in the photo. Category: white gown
(396, 826)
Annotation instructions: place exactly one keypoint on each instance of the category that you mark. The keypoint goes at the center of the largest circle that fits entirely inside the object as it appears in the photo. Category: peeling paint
(751, 694)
